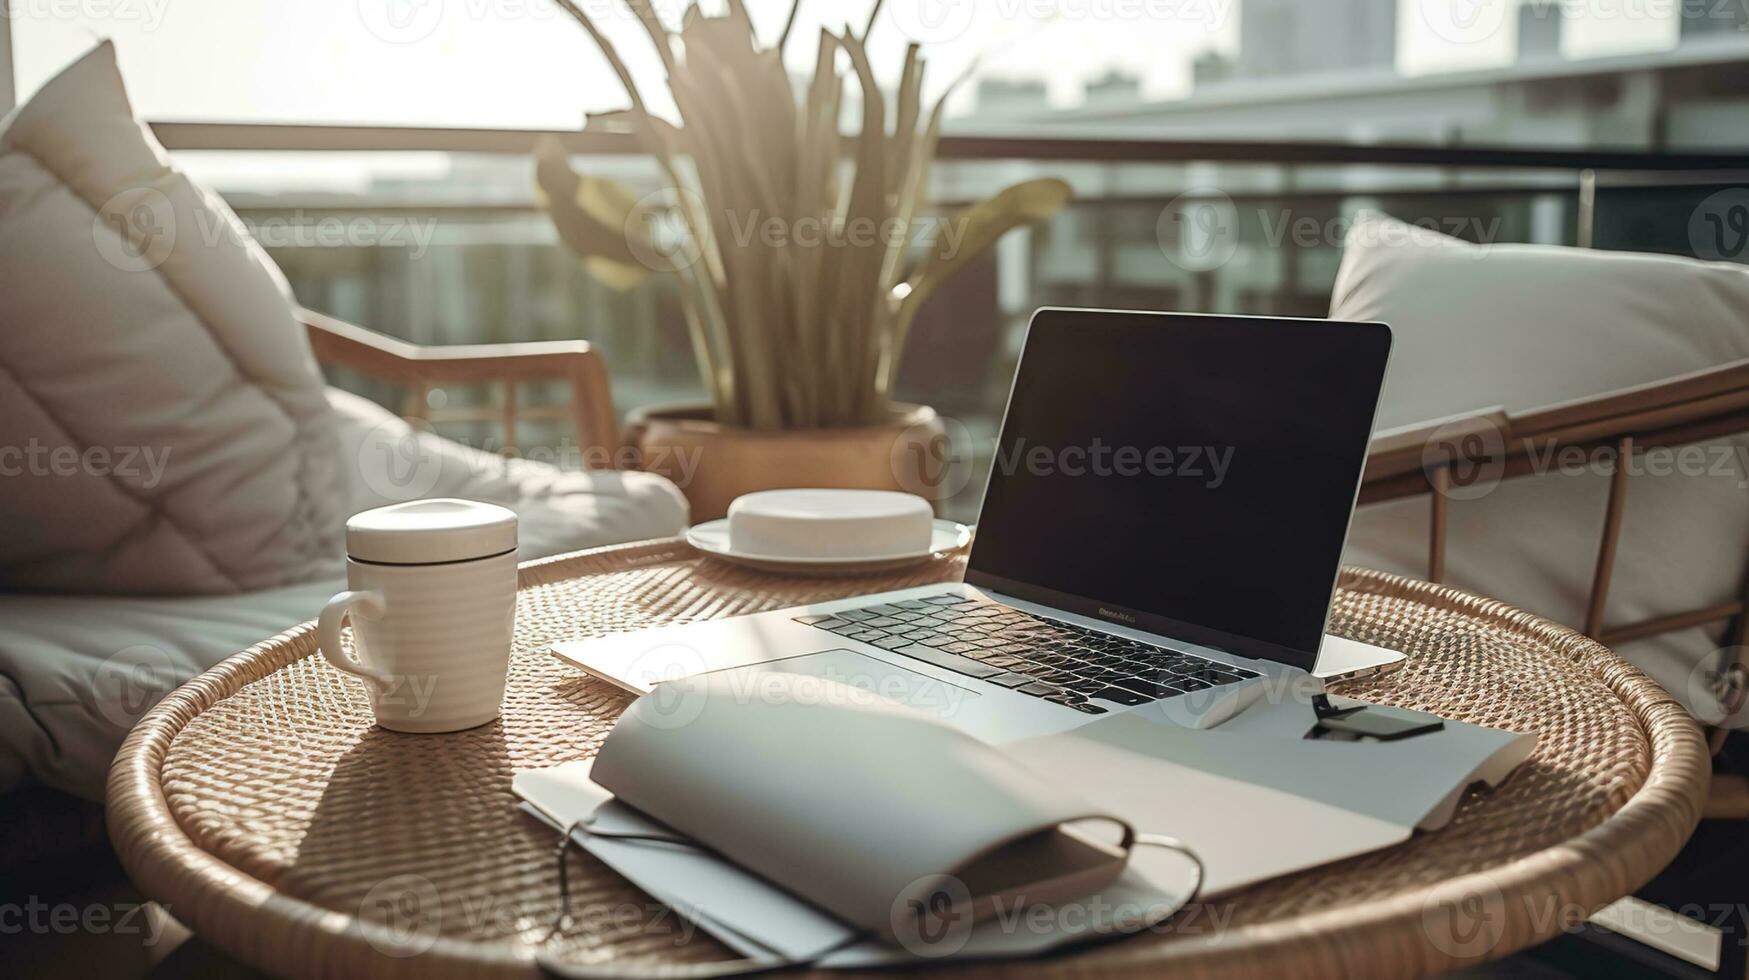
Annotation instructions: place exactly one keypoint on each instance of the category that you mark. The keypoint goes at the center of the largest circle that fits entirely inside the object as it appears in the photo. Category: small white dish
(712, 538)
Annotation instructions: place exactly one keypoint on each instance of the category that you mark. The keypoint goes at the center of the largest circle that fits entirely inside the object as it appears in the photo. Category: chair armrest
(337, 342)
(1686, 409)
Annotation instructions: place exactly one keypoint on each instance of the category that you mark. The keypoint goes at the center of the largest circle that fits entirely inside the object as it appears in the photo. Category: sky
(520, 63)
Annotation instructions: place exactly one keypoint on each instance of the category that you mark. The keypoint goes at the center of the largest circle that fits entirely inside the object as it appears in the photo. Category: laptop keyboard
(1060, 662)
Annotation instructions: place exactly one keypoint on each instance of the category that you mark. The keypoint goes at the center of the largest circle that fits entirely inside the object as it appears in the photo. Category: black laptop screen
(1187, 475)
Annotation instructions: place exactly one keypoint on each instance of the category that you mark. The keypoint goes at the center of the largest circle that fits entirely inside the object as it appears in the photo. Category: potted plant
(802, 246)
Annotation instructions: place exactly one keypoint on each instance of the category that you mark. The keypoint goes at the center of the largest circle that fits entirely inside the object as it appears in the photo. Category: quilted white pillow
(162, 421)
(1525, 327)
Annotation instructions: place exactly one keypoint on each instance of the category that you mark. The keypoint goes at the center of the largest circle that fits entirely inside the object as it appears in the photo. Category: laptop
(1161, 531)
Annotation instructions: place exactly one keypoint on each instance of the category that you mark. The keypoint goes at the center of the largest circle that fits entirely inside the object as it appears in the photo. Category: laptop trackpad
(865, 675)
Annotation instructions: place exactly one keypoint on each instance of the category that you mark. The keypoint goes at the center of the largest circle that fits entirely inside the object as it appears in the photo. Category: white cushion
(389, 461)
(1525, 327)
(163, 417)
(77, 671)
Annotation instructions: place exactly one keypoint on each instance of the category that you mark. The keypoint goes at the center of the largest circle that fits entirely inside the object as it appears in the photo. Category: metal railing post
(8, 89)
(1582, 235)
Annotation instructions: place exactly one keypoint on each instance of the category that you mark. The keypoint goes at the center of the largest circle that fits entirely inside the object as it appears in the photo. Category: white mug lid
(426, 532)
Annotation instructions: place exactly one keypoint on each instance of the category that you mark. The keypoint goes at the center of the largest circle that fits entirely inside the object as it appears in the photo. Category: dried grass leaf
(969, 232)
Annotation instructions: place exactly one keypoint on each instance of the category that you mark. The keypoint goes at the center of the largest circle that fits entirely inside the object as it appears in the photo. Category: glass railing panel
(451, 248)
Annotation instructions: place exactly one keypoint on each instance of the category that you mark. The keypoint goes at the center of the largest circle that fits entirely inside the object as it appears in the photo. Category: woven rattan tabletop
(263, 808)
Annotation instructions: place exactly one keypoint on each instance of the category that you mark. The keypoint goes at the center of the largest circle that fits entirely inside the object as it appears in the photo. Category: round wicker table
(260, 805)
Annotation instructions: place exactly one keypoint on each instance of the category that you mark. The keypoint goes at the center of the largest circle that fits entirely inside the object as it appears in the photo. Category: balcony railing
(1615, 168)
(492, 271)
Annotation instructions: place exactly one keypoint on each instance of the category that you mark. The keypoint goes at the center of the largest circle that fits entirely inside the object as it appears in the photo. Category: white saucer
(712, 538)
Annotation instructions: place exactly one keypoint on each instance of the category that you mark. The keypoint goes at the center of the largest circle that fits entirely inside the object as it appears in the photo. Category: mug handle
(328, 634)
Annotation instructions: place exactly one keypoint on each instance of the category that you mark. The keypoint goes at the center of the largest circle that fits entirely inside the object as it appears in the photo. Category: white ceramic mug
(432, 601)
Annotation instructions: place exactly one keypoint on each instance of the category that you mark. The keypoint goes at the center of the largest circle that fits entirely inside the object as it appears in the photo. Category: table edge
(1383, 937)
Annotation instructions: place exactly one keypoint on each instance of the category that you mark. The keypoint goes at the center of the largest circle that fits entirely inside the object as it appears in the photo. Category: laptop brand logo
(1122, 617)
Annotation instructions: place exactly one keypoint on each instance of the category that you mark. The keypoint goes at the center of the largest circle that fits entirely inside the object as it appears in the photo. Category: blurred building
(1331, 77)
(1704, 19)
(1293, 37)
(1004, 98)
(1114, 88)
(1540, 25)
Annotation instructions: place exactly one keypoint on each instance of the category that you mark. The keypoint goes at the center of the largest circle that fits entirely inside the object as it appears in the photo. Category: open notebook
(802, 821)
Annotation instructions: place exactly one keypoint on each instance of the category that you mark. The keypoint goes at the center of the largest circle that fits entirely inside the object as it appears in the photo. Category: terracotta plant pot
(713, 464)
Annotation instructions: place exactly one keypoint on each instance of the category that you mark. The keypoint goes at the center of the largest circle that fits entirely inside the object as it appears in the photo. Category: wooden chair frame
(1686, 410)
(421, 368)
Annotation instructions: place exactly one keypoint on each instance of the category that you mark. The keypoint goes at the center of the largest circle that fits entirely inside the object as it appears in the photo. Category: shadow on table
(422, 834)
